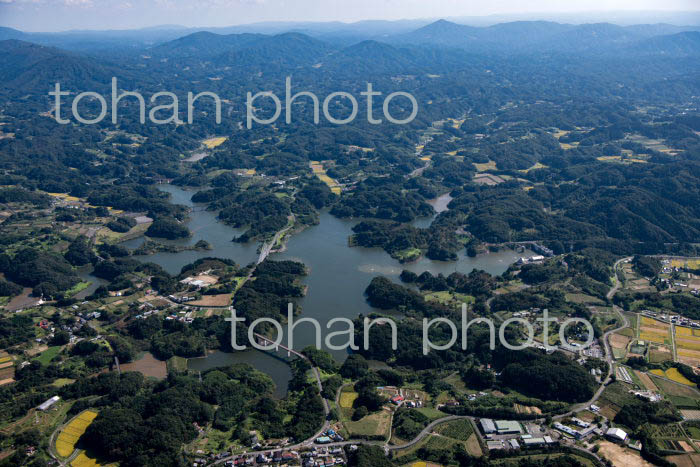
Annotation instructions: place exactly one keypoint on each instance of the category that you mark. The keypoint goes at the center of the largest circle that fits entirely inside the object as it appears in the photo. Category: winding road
(609, 357)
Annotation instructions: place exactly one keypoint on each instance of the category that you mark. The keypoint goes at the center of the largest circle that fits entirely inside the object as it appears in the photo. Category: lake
(338, 274)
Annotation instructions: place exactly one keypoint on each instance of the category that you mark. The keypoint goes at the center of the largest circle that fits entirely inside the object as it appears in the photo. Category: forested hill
(572, 146)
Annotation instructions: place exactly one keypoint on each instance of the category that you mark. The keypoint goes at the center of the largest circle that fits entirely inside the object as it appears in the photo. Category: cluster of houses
(181, 298)
(322, 457)
(673, 319)
(329, 436)
(315, 457)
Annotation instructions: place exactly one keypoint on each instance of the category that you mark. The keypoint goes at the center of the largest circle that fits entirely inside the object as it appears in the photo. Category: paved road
(426, 431)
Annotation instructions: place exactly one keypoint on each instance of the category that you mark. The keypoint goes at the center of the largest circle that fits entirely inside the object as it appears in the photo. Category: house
(397, 399)
(616, 434)
(513, 444)
(487, 426)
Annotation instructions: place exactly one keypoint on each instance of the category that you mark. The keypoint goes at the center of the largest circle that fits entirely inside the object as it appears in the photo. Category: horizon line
(532, 16)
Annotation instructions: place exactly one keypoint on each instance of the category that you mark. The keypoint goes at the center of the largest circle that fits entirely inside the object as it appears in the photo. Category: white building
(48, 403)
(616, 434)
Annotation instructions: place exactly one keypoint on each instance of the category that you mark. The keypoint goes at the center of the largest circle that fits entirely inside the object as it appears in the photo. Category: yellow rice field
(65, 443)
(320, 172)
(84, 461)
(689, 263)
(651, 336)
(674, 375)
(688, 344)
(646, 321)
(681, 331)
(211, 143)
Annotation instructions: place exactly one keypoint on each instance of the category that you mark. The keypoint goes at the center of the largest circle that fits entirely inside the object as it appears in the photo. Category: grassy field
(613, 398)
(515, 461)
(459, 429)
(377, 423)
(347, 399)
(490, 165)
(46, 356)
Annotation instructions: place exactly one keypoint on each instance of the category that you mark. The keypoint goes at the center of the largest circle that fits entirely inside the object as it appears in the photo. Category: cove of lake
(338, 274)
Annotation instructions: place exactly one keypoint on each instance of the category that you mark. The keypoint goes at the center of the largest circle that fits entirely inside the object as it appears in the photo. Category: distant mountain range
(540, 36)
(441, 46)
(517, 37)
(503, 34)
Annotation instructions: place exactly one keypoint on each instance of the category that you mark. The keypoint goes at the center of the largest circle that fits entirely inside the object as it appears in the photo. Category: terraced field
(320, 172)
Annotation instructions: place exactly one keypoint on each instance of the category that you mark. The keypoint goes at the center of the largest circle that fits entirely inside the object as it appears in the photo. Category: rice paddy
(674, 375)
(654, 331)
(320, 172)
(71, 433)
(84, 461)
(686, 263)
(212, 143)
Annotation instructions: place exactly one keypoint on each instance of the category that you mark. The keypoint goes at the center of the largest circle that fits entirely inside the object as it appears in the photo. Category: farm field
(220, 300)
(646, 381)
(619, 344)
(66, 440)
(660, 355)
(83, 460)
(148, 365)
(675, 390)
(621, 456)
(613, 398)
(490, 165)
(685, 460)
(674, 375)
(320, 172)
(442, 442)
(688, 345)
(654, 331)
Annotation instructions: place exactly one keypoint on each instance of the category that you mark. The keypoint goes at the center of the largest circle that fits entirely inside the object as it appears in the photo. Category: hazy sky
(57, 15)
